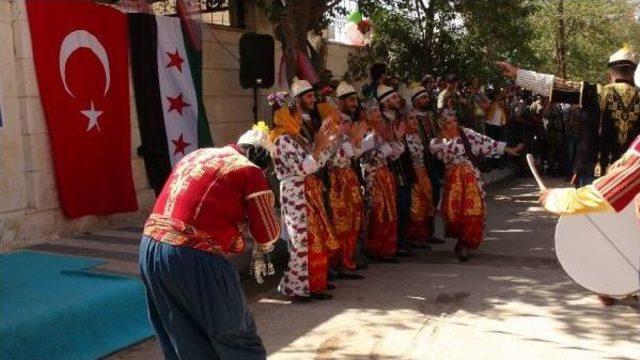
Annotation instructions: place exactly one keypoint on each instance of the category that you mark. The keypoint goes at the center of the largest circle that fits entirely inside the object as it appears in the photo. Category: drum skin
(601, 251)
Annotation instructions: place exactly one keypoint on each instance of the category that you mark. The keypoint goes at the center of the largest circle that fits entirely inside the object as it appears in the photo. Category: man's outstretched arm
(557, 89)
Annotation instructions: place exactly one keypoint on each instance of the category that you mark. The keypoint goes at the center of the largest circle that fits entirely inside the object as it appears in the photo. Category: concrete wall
(29, 208)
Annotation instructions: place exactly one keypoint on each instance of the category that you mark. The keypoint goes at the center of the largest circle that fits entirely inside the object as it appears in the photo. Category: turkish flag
(80, 51)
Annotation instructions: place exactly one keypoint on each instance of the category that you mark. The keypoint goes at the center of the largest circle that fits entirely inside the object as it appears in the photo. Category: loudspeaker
(256, 61)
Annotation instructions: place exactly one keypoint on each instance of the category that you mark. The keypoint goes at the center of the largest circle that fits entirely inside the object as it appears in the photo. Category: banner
(80, 52)
(167, 77)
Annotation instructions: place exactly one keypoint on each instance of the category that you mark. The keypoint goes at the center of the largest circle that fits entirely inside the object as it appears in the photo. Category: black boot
(388, 260)
(435, 240)
(463, 254)
(405, 253)
(302, 299)
(322, 296)
(349, 276)
(420, 246)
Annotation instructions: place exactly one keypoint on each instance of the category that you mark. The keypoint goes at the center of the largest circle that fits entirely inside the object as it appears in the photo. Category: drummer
(612, 192)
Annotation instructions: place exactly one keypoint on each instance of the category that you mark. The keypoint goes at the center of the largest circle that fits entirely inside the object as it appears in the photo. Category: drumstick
(534, 171)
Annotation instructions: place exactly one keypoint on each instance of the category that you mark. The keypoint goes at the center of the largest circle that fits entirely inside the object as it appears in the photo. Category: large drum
(601, 251)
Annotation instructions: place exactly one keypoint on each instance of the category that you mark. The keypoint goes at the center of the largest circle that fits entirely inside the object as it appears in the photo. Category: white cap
(624, 56)
(345, 89)
(258, 136)
(417, 91)
(300, 87)
(384, 92)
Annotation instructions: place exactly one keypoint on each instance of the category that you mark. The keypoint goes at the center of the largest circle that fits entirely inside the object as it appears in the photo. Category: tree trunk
(429, 21)
(561, 48)
(296, 20)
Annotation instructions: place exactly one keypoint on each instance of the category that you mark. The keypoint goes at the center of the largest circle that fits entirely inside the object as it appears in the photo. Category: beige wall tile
(11, 153)
(34, 115)
(224, 134)
(219, 34)
(229, 109)
(19, 9)
(8, 78)
(22, 39)
(139, 174)
(46, 192)
(5, 10)
(146, 201)
(216, 57)
(222, 82)
(6, 39)
(135, 143)
(40, 149)
(27, 82)
(12, 191)
(12, 125)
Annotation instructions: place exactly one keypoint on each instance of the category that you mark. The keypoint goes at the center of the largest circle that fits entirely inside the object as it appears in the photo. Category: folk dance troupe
(360, 181)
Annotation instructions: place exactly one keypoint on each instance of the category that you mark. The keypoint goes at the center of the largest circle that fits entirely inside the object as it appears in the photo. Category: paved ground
(511, 301)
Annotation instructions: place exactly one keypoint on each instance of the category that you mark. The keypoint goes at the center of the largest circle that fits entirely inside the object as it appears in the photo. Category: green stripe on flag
(195, 64)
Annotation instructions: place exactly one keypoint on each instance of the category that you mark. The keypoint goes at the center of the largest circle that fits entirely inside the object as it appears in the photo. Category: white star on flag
(93, 115)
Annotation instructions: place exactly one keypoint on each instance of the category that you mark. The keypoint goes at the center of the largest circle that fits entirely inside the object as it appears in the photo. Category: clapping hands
(399, 129)
(356, 132)
(325, 137)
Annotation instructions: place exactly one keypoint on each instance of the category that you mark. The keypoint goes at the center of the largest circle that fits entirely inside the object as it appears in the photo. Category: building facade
(29, 207)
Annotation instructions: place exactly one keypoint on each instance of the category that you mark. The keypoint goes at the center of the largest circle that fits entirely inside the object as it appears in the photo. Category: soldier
(616, 105)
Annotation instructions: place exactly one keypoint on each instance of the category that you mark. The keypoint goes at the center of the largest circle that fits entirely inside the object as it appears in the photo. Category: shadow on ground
(512, 300)
(512, 288)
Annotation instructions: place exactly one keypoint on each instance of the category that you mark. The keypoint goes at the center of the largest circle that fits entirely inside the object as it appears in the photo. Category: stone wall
(29, 208)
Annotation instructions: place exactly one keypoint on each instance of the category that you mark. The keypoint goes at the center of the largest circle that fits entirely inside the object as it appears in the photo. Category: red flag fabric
(80, 51)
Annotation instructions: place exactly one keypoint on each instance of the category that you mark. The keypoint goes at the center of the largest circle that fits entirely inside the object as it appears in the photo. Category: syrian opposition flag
(81, 63)
(167, 77)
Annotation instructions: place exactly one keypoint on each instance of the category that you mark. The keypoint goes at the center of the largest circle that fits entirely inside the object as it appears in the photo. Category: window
(217, 12)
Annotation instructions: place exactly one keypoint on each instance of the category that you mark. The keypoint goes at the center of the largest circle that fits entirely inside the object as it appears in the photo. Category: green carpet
(52, 308)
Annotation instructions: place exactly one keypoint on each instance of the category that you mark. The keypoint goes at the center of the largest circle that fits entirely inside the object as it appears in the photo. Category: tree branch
(332, 4)
(423, 6)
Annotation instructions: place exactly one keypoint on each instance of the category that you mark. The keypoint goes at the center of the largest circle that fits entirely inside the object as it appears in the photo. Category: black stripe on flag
(143, 35)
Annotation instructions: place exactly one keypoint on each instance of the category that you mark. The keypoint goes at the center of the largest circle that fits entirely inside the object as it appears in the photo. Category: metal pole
(255, 100)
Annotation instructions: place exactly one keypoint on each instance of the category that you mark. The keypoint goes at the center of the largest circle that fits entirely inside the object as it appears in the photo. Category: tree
(593, 30)
(561, 39)
(441, 36)
(294, 21)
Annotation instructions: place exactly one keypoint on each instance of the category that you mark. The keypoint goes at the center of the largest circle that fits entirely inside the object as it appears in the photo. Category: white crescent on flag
(83, 39)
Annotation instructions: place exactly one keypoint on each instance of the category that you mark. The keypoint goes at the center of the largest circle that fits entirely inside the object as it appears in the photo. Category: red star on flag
(175, 60)
(180, 145)
(177, 103)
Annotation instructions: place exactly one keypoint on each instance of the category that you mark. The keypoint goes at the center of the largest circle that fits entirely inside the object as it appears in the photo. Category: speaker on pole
(256, 61)
(256, 65)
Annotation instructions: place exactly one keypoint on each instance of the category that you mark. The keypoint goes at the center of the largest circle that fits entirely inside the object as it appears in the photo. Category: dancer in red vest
(196, 304)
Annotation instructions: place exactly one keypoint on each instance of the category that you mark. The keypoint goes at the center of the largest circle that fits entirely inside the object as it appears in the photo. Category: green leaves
(355, 17)
(595, 29)
(468, 36)
(439, 36)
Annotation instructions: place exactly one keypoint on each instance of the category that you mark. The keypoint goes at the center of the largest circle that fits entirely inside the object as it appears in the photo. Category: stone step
(108, 239)
(117, 267)
(121, 234)
(89, 243)
(108, 255)
(133, 229)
